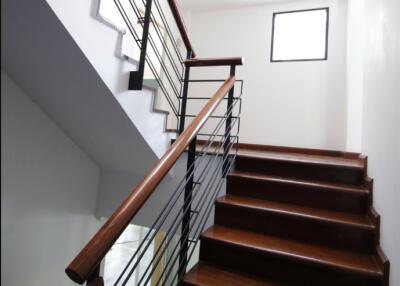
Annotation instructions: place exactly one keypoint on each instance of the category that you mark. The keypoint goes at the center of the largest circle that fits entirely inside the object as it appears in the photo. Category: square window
(300, 35)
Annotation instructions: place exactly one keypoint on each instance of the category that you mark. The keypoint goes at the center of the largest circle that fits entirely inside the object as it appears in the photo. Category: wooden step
(329, 196)
(307, 167)
(204, 274)
(287, 261)
(256, 149)
(319, 226)
(318, 158)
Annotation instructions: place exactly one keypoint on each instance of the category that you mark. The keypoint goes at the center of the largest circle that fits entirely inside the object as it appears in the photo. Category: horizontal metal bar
(214, 116)
(212, 80)
(205, 98)
(217, 135)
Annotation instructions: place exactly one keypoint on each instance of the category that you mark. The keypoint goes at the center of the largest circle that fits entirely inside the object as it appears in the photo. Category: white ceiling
(208, 4)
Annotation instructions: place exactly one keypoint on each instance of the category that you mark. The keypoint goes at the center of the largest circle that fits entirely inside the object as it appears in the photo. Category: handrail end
(237, 61)
(74, 275)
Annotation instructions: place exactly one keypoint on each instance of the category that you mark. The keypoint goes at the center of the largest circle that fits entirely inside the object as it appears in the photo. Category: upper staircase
(293, 217)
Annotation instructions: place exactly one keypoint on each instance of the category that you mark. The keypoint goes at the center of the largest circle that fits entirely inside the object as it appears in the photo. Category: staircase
(293, 217)
(290, 216)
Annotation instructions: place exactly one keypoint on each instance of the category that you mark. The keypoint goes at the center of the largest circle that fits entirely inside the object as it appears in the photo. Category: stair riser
(275, 266)
(289, 226)
(300, 170)
(298, 194)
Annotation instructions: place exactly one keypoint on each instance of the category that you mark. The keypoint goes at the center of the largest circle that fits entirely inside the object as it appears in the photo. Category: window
(300, 35)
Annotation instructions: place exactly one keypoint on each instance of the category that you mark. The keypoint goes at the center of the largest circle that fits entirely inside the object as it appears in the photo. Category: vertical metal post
(94, 278)
(136, 77)
(228, 124)
(187, 208)
(187, 204)
(184, 96)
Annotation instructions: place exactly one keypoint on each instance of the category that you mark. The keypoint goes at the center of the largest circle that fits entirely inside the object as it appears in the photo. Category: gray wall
(49, 188)
(114, 187)
(59, 77)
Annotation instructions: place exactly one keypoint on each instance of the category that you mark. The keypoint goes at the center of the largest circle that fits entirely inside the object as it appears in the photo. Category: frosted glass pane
(300, 35)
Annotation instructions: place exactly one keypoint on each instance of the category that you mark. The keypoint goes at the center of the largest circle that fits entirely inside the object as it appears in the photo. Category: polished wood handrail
(181, 26)
(92, 254)
(208, 62)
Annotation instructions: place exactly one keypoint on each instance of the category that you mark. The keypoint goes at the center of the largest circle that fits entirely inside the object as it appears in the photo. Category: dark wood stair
(257, 253)
(319, 226)
(313, 194)
(345, 171)
(204, 274)
(293, 217)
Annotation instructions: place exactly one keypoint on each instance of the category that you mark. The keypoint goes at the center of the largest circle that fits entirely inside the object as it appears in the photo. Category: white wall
(102, 46)
(355, 73)
(299, 104)
(381, 119)
(48, 188)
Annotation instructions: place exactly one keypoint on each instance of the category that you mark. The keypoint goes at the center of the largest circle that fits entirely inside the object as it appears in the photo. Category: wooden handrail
(208, 62)
(92, 254)
(181, 26)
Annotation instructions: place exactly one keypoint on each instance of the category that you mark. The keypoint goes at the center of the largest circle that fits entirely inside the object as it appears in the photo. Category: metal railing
(194, 196)
(166, 54)
(209, 152)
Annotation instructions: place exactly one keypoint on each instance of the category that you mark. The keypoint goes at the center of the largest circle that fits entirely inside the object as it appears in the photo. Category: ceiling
(217, 4)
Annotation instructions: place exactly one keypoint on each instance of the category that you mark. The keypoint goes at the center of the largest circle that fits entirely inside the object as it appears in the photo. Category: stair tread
(312, 254)
(298, 210)
(204, 274)
(304, 158)
(300, 182)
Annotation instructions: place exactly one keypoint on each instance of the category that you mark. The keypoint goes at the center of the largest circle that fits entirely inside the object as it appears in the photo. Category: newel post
(182, 114)
(228, 125)
(136, 77)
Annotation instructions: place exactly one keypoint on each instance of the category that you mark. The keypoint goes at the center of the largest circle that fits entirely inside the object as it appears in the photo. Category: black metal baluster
(184, 96)
(187, 206)
(189, 185)
(228, 124)
(169, 31)
(136, 77)
(94, 278)
(173, 228)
